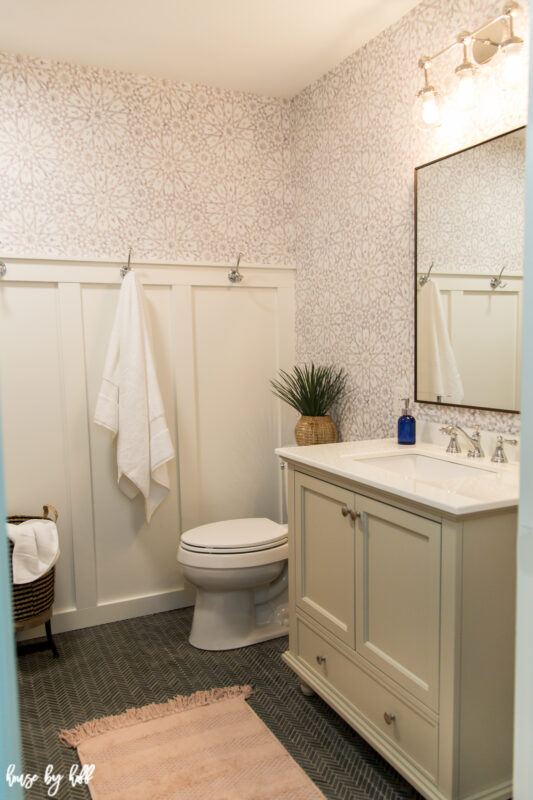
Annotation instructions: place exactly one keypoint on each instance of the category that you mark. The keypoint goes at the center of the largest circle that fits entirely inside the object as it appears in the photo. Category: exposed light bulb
(512, 67)
(427, 109)
(430, 110)
(466, 89)
(465, 76)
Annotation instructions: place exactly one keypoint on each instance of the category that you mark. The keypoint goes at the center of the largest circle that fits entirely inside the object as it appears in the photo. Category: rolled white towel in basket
(35, 548)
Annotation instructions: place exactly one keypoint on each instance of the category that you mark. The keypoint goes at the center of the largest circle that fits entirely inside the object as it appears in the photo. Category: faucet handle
(453, 444)
(449, 430)
(499, 456)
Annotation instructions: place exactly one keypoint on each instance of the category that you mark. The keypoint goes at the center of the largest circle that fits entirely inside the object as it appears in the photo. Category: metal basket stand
(32, 602)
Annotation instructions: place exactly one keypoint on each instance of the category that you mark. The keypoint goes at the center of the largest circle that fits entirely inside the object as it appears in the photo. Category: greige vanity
(402, 595)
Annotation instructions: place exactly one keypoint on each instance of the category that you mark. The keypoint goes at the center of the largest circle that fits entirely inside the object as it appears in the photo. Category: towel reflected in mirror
(438, 376)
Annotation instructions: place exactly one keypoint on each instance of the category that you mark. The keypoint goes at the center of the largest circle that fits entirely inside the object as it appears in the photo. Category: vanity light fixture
(499, 40)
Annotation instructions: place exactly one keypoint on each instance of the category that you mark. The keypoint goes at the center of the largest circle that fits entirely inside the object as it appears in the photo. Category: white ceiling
(273, 47)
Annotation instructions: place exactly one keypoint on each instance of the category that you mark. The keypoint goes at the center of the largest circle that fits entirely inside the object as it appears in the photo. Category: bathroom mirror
(469, 234)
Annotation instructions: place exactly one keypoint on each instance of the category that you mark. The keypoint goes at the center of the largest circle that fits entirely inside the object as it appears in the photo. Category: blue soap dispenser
(406, 425)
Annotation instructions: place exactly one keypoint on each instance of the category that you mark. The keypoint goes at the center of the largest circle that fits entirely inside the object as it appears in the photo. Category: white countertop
(497, 485)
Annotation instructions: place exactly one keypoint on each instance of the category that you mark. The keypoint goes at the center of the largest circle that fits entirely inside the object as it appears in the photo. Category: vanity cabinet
(402, 619)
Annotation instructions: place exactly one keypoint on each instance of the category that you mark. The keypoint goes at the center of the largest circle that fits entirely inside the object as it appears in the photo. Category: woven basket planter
(32, 602)
(315, 430)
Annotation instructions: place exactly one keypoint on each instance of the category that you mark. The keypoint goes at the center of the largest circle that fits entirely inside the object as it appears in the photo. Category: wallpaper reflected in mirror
(469, 267)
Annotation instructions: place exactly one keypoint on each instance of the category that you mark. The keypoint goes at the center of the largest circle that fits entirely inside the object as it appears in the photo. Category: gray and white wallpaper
(95, 161)
(354, 147)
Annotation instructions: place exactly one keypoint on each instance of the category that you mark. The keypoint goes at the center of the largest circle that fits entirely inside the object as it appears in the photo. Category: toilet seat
(234, 536)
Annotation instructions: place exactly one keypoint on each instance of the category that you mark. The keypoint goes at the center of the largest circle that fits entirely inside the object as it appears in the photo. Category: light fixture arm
(425, 64)
(507, 15)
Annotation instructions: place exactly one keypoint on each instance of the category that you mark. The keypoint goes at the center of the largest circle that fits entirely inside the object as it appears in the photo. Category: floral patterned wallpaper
(354, 147)
(94, 161)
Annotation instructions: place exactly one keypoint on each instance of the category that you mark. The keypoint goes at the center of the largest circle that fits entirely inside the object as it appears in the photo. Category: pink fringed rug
(209, 746)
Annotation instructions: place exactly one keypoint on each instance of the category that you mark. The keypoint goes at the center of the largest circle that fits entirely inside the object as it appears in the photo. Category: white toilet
(239, 569)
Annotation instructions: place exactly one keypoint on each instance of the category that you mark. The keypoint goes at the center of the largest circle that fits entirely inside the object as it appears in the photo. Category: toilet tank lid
(234, 533)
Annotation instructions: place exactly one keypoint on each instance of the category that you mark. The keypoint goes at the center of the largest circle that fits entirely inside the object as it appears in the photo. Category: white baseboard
(72, 619)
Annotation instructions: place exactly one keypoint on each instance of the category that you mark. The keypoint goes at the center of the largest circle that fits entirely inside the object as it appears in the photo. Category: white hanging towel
(437, 371)
(35, 548)
(129, 403)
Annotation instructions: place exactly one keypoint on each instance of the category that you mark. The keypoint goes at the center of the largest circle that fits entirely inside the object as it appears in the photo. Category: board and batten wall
(216, 347)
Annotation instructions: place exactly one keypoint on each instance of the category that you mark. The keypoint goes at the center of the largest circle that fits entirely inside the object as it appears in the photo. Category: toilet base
(228, 620)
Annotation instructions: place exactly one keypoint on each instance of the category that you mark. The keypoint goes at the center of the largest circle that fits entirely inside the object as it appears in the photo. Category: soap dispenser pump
(406, 425)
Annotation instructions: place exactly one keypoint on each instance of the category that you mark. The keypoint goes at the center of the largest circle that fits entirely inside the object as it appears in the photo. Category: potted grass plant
(312, 391)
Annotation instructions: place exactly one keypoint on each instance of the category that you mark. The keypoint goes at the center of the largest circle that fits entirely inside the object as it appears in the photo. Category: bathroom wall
(354, 147)
(94, 161)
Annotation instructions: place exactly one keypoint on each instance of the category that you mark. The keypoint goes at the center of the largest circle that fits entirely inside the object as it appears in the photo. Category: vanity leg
(306, 690)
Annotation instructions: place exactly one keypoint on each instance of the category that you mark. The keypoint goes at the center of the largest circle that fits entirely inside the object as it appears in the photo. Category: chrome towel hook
(234, 275)
(126, 268)
(3, 268)
(495, 283)
(423, 279)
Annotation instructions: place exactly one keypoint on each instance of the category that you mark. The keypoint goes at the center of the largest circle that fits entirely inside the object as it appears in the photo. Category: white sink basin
(425, 468)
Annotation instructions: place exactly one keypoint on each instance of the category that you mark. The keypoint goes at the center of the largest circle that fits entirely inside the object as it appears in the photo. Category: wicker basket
(315, 430)
(32, 602)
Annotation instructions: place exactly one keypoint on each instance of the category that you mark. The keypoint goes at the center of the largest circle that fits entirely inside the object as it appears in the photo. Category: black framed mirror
(469, 258)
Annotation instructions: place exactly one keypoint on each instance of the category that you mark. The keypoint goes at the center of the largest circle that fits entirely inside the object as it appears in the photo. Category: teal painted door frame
(10, 752)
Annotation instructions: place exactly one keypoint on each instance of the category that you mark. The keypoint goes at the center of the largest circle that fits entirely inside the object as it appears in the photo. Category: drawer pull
(389, 718)
(321, 659)
(345, 511)
(355, 515)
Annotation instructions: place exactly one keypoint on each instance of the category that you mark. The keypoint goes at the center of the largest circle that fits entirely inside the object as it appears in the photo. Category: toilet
(239, 569)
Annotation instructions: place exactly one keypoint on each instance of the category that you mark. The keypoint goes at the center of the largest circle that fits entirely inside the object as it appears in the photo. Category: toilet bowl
(239, 569)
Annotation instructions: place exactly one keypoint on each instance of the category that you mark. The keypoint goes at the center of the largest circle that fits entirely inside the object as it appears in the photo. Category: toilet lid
(235, 536)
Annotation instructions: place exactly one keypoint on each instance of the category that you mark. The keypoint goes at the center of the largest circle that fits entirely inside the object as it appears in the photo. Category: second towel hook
(234, 275)
(126, 268)
(497, 282)
(423, 279)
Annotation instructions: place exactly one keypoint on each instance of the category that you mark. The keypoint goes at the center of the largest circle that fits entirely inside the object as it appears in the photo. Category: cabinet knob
(345, 511)
(321, 659)
(355, 515)
(389, 718)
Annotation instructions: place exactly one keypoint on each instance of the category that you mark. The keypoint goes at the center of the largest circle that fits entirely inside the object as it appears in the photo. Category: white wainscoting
(217, 346)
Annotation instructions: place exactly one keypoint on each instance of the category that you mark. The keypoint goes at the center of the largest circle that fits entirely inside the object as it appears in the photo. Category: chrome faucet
(499, 456)
(474, 441)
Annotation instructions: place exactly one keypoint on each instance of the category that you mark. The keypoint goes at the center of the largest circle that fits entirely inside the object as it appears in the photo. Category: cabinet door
(398, 595)
(325, 550)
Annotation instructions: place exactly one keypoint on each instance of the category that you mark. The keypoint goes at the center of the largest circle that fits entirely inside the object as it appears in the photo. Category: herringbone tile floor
(106, 669)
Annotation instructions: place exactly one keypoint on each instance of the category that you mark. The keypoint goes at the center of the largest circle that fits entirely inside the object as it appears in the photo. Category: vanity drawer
(410, 731)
